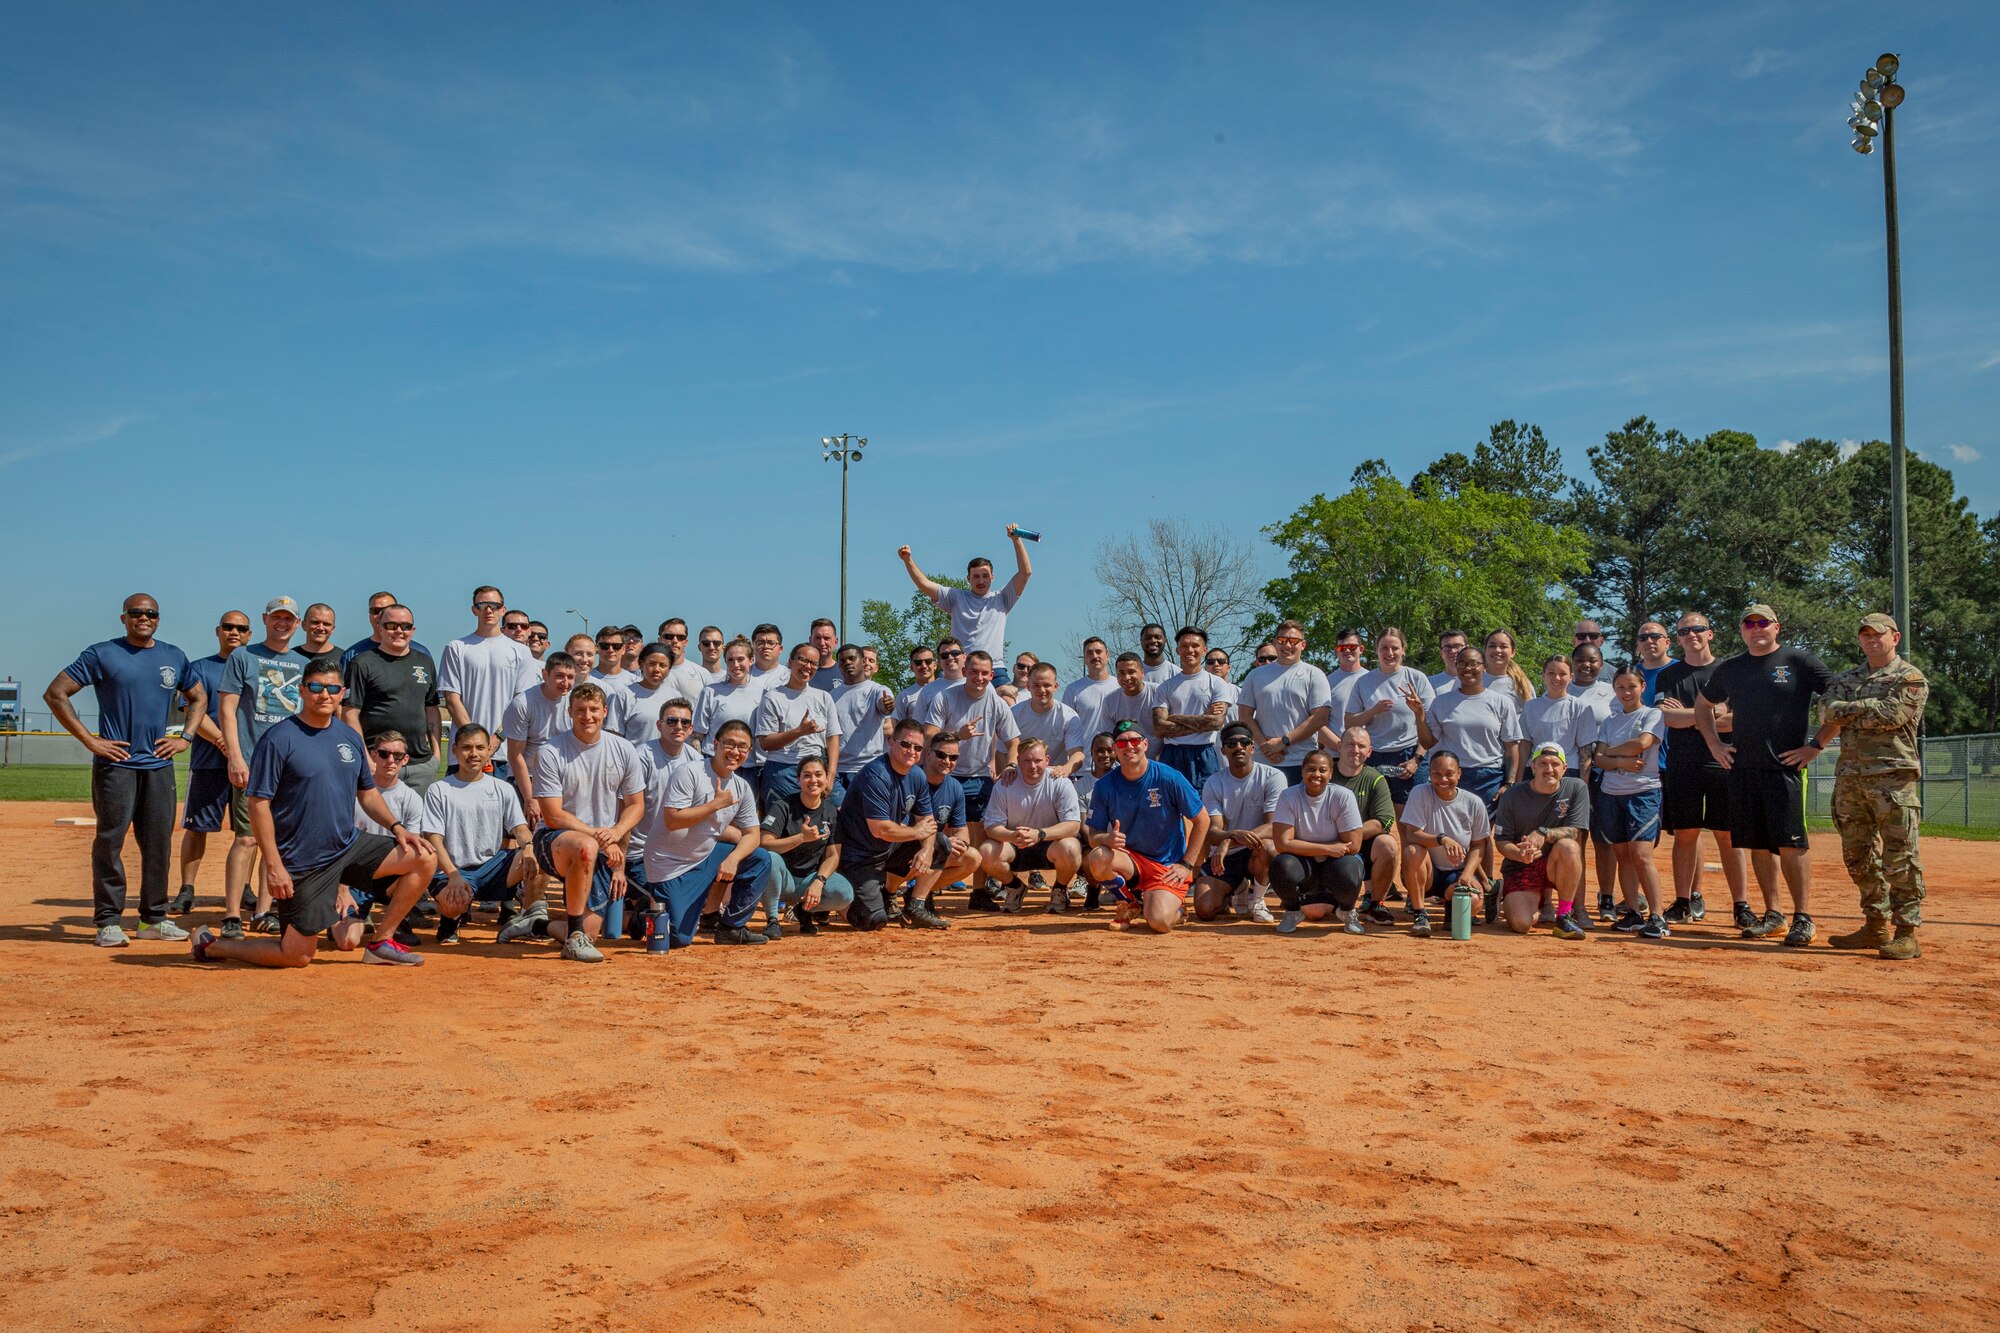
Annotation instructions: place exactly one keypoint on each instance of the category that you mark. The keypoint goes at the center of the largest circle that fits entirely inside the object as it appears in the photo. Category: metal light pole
(847, 449)
(580, 616)
(1874, 116)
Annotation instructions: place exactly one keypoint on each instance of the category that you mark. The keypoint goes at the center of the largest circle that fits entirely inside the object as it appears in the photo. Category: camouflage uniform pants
(1878, 819)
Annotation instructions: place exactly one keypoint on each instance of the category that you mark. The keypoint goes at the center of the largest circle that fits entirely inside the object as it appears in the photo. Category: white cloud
(1849, 448)
(95, 433)
(1963, 453)
(1786, 446)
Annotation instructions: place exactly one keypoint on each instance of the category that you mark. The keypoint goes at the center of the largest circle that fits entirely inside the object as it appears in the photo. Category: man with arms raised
(393, 686)
(305, 776)
(1189, 708)
(1031, 826)
(481, 673)
(1286, 703)
(1769, 689)
(1140, 814)
(1239, 799)
(978, 614)
(591, 789)
(1694, 792)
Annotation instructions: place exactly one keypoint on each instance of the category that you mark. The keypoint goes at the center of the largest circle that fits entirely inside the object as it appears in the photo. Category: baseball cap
(285, 604)
(1550, 747)
(1880, 623)
(1757, 609)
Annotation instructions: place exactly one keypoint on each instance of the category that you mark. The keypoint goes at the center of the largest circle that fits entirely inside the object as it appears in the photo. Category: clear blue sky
(315, 301)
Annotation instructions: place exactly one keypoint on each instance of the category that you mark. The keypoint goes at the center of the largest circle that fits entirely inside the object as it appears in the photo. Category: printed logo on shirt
(167, 678)
(1781, 675)
(420, 676)
(1153, 798)
(345, 751)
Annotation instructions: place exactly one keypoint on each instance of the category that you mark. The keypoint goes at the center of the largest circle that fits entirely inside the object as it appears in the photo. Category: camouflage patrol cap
(1880, 623)
(1755, 609)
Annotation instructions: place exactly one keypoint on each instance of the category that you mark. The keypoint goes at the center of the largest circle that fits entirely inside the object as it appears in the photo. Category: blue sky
(423, 296)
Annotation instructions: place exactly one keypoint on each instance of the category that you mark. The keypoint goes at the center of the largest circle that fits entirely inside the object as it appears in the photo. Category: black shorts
(1236, 868)
(1694, 796)
(1767, 809)
(1032, 858)
(313, 905)
(906, 852)
(1598, 803)
(207, 800)
(239, 812)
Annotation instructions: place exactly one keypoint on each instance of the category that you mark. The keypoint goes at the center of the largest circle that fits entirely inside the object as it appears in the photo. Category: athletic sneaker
(1420, 925)
(1394, 895)
(919, 916)
(1656, 928)
(447, 930)
(1059, 899)
(1353, 925)
(161, 930)
(1628, 921)
(391, 953)
(1239, 901)
(578, 948)
(805, 922)
(111, 936)
(523, 924)
(737, 935)
(267, 923)
(982, 900)
(1607, 907)
(1696, 907)
(183, 902)
(1579, 916)
(1289, 922)
(1568, 928)
(1546, 917)
(774, 929)
(1016, 897)
(1381, 915)
(1766, 924)
(232, 928)
(1259, 913)
(1680, 913)
(1745, 918)
(1801, 933)
(198, 944)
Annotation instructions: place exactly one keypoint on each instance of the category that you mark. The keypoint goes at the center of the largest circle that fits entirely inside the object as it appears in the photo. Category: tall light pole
(580, 616)
(1874, 117)
(847, 449)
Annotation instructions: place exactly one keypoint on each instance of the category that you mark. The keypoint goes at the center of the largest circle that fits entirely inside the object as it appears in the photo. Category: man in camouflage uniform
(1875, 708)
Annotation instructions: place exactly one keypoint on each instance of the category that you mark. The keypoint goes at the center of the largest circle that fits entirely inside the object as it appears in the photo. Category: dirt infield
(1030, 1122)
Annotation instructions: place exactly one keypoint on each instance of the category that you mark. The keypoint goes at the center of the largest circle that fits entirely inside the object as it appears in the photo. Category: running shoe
(1016, 897)
(1568, 928)
(267, 923)
(1492, 903)
(1746, 919)
(1260, 913)
(709, 921)
(392, 954)
(1656, 928)
(183, 902)
(1420, 925)
(232, 928)
(1607, 907)
(1696, 907)
(1546, 917)
(1394, 895)
(737, 935)
(112, 936)
(1680, 913)
(1802, 932)
(1353, 924)
(918, 916)
(162, 929)
(1239, 901)
(577, 948)
(1579, 916)
(982, 900)
(805, 923)
(198, 944)
(1289, 922)
(447, 930)
(1767, 924)
(1628, 921)
(522, 924)
(406, 936)
(774, 929)
(1381, 915)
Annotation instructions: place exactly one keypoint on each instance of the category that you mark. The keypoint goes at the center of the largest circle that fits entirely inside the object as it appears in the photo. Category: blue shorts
(488, 879)
(1196, 763)
(600, 878)
(207, 800)
(978, 791)
(1482, 782)
(1400, 788)
(1633, 818)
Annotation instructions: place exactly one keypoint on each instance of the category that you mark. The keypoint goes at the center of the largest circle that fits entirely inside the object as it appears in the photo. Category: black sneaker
(267, 923)
(1093, 898)
(1381, 915)
(1802, 932)
(232, 928)
(1607, 907)
(982, 900)
(447, 930)
(1420, 925)
(1745, 918)
(806, 924)
(407, 937)
(183, 902)
(1680, 913)
(1656, 928)
(774, 929)
(1696, 907)
(710, 921)
(1628, 921)
(917, 916)
(1394, 895)
(1767, 924)
(737, 935)
(1492, 903)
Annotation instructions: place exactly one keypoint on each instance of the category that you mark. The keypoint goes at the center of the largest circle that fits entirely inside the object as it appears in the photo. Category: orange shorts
(1152, 876)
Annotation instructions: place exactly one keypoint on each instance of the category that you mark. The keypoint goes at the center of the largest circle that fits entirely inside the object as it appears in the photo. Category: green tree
(1383, 554)
(894, 632)
(1638, 512)
(1515, 458)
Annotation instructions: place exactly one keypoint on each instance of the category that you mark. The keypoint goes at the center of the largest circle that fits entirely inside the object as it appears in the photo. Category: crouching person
(468, 820)
(799, 838)
(708, 844)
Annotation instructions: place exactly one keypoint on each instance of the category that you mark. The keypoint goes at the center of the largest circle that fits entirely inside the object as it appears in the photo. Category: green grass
(60, 782)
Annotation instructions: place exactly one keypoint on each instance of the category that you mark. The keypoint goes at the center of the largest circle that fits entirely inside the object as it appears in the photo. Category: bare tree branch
(1179, 573)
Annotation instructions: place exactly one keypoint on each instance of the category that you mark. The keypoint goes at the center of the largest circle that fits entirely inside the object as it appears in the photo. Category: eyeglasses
(514, 626)
(1595, 636)
(1757, 622)
(1651, 634)
(489, 606)
(233, 629)
(399, 626)
(1692, 629)
(324, 687)
(142, 613)
(399, 756)
(1238, 742)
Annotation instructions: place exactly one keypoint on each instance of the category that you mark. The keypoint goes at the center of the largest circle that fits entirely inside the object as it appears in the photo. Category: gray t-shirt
(1156, 674)
(1246, 802)
(1119, 706)
(1049, 802)
(531, 718)
(859, 710)
(642, 713)
(486, 674)
(592, 780)
(1185, 695)
(1340, 686)
(266, 683)
(659, 767)
(906, 703)
(1397, 728)
(979, 623)
(404, 804)
(1475, 726)
(1329, 818)
(1622, 726)
(472, 818)
(1060, 728)
(687, 680)
(671, 853)
(1569, 721)
(783, 708)
(723, 702)
(1283, 696)
(1087, 697)
(1464, 819)
(953, 708)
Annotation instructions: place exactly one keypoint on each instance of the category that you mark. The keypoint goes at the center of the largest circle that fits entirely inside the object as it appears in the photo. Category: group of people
(656, 795)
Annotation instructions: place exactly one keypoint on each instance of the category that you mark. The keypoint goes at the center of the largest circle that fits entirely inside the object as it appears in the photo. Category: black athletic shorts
(1767, 809)
(906, 852)
(1695, 796)
(313, 904)
(1235, 868)
(1032, 858)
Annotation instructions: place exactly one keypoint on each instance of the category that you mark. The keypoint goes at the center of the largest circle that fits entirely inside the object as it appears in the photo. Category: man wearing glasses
(888, 804)
(260, 689)
(1587, 631)
(377, 604)
(1287, 702)
(610, 673)
(1655, 647)
(923, 670)
(684, 679)
(536, 640)
(515, 625)
(482, 672)
(136, 678)
(1349, 667)
(709, 643)
(1449, 644)
(1141, 844)
(1769, 689)
(208, 765)
(388, 760)
(393, 686)
(1694, 788)
(951, 671)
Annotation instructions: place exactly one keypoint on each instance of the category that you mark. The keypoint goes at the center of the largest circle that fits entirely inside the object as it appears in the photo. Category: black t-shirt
(787, 816)
(1771, 697)
(392, 694)
(1521, 810)
(1685, 747)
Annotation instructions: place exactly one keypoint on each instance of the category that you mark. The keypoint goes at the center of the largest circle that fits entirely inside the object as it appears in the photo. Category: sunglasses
(1237, 743)
(1290, 642)
(708, 643)
(543, 637)
(1131, 744)
(1266, 661)
(1590, 638)
(1757, 623)
(677, 721)
(1347, 647)
(1692, 629)
(404, 626)
(488, 606)
(324, 687)
(952, 652)
(1651, 634)
(923, 661)
(402, 756)
(234, 629)
(674, 638)
(512, 626)
(914, 747)
(945, 756)
(143, 614)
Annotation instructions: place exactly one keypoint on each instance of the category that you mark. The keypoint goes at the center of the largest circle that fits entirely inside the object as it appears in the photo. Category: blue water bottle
(659, 933)
(614, 919)
(1026, 535)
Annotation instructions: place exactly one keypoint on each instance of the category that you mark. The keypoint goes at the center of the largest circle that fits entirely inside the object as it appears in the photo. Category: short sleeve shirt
(486, 674)
(592, 779)
(1184, 695)
(1464, 819)
(403, 803)
(1047, 803)
(980, 623)
(1283, 696)
(957, 707)
(1119, 706)
(1397, 728)
(879, 792)
(1521, 810)
(1620, 727)
(1770, 698)
(1371, 794)
(1475, 727)
(136, 693)
(1243, 803)
(859, 711)
(671, 853)
(1060, 728)
(471, 818)
(310, 776)
(208, 670)
(787, 816)
(1087, 697)
(392, 694)
(266, 683)
(1328, 818)
(723, 702)
(783, 708)
(659, 767)
(1570, 721)
(1150, 810)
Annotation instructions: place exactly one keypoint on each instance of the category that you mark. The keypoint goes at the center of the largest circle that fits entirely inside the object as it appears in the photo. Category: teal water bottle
(1461, 911)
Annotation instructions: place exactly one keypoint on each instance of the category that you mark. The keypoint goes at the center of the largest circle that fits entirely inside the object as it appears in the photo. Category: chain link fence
(1961, 781)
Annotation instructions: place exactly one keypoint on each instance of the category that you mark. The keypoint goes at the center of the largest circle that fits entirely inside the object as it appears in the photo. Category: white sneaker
(1289, 922)
(1260, 913)
(1239, 902)
(1354, 926)
(112, 936)
(160, 930)
(578, 949)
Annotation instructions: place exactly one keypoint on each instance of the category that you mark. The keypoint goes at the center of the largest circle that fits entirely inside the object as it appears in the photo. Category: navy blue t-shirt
(201, 753)
(1149, 812)
(948, 803)
(310, 776)
(879, 792)
(136, 689)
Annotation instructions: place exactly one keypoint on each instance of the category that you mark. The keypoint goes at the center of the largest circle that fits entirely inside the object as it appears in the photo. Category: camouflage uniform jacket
(1882, 709)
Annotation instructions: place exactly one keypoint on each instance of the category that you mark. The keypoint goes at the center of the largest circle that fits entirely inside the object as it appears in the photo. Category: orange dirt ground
(1030, 1122)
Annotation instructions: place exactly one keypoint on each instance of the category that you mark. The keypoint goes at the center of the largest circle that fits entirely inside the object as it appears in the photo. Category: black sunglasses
(488, 606)
(233, 629)
(1597, 637)
(1266, 661)
(141, 613)
(405, 625)
(533, 635)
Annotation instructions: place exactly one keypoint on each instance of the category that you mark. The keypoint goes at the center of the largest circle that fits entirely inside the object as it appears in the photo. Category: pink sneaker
(392, 954)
